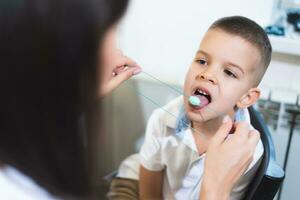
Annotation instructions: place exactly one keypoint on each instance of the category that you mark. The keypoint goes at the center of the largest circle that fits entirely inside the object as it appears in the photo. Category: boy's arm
(151, 166)
(150, 184)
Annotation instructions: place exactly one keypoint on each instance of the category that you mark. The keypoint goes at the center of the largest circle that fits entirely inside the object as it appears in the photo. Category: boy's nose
(208, 75)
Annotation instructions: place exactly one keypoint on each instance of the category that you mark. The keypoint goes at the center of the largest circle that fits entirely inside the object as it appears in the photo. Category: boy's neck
(204, 131)
(208, 128)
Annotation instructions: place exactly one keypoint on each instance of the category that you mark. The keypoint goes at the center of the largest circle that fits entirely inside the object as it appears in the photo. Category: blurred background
(163, 36)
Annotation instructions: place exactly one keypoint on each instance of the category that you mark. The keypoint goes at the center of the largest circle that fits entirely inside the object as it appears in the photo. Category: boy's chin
(199, 117)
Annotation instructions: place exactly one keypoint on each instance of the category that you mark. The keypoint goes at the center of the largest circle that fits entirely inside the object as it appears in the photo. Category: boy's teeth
(202, 92)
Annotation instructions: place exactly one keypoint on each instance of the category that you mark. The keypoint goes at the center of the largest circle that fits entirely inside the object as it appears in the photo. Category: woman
(52, 55)
(49, 84)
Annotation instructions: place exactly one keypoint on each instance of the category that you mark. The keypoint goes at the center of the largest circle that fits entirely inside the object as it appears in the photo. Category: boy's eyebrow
(230, 63)
(203, 52)
(235, 65)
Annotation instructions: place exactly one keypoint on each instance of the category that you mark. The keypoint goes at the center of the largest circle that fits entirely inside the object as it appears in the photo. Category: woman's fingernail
(226, 119)
(137, 71)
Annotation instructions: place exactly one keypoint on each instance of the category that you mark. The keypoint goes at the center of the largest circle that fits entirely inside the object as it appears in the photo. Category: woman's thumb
(223, 130)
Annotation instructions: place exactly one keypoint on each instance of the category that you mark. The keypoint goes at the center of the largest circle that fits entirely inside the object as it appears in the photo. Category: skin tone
(227, 73)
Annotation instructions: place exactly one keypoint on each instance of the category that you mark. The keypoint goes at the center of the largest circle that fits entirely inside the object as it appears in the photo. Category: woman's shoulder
(16, 185)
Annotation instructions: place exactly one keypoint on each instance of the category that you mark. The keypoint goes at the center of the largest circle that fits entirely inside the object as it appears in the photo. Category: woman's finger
(254, 137)
(223, 131)
(242, 130)
(129, 62)
(123, 76)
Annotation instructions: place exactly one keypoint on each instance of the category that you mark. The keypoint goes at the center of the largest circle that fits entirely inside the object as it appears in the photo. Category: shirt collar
(172, 113)
(183, 121)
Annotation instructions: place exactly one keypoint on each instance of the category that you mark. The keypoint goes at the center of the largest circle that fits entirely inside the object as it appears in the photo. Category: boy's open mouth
(204, 97)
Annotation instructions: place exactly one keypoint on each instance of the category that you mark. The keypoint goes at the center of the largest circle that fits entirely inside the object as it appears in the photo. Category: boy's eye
(202, 62)
(229, 73)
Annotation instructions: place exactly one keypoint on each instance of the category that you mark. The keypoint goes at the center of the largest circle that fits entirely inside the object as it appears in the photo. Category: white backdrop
(163, 35)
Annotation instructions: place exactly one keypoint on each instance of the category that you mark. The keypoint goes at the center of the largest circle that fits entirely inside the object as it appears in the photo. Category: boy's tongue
(203, 101)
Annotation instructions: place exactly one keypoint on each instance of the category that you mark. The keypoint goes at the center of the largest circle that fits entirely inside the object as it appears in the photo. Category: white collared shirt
(176, 153)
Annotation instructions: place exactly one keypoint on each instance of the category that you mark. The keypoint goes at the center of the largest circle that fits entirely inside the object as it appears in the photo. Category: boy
(230, 63)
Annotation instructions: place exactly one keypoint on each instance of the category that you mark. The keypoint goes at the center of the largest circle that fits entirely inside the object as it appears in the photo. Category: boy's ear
(249, 98)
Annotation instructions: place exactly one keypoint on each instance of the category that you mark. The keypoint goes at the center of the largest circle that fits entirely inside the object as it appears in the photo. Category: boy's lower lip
(198, 108)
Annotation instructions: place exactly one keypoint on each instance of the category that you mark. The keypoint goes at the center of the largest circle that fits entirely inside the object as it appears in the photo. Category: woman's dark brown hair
(48, 85)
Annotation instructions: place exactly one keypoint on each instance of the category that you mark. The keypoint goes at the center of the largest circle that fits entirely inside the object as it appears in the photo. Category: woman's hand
(123, 68)
(227, 159)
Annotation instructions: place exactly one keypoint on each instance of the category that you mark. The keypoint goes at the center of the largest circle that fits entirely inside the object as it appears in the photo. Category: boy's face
(223, 67)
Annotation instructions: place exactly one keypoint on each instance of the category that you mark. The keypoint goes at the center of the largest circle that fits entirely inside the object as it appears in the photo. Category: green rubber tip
(195, 101)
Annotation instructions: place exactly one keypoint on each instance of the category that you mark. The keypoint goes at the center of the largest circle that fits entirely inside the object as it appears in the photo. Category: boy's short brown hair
(251, 32)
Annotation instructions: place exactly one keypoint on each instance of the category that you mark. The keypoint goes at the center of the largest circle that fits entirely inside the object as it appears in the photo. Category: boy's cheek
(193, 71)
(188, 81)
(227, 102)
